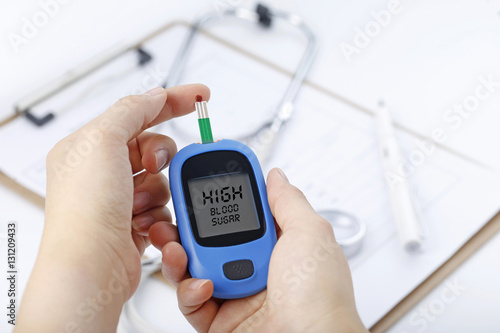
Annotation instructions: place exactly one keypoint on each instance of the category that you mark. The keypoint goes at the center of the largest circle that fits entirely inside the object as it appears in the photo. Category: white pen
(399, 188)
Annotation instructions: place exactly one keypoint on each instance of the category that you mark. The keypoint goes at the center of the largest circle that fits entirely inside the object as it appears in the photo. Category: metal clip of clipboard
(25, 105)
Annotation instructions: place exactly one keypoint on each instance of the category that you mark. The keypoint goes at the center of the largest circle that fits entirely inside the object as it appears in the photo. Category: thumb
(290, 207)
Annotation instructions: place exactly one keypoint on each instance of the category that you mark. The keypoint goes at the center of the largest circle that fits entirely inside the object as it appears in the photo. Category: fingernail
(282, 174)
(197, 284)
(141, 200)
(141, 223)
(155, 91)
(161, 158)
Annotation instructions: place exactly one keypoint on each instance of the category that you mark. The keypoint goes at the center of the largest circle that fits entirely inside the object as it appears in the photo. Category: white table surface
(81, 29)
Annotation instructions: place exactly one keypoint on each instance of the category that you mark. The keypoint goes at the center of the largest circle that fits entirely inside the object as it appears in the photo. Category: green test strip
(205, 130)
(204, 122)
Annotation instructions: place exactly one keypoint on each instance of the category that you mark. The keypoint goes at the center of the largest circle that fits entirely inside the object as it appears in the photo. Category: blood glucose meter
(223, 216)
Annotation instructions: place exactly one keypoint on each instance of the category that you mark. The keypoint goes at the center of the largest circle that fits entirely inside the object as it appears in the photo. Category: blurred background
(434, 64)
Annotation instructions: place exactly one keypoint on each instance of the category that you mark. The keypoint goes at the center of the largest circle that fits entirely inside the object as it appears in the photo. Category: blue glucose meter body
(223, 216)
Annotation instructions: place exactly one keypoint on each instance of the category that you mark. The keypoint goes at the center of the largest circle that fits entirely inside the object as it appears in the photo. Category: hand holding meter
(223, 217)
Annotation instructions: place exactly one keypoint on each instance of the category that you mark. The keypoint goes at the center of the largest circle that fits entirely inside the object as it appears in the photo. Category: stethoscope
(263, 139)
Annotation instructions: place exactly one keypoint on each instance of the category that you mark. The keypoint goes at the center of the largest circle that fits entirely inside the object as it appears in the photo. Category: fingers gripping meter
(223, 217)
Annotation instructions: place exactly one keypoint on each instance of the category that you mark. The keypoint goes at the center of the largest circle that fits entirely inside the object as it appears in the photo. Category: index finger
(180, 101)
(131, 115)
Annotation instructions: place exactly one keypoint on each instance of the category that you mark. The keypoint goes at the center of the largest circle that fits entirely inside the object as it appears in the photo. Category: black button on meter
(238, 269)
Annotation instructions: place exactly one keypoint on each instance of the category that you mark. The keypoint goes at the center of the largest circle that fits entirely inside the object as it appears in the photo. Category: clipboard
(474, 243)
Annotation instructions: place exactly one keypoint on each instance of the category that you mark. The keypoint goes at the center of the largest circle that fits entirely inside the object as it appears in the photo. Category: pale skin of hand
(309, 285)
(98, 217)
(89, 259)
